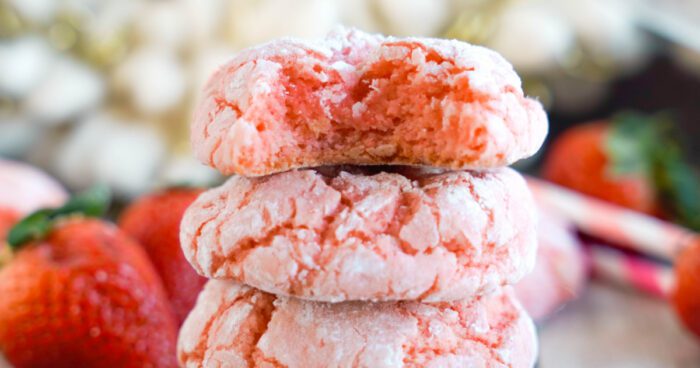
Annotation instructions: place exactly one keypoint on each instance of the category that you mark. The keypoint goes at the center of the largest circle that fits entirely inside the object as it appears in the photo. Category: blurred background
(103, 90)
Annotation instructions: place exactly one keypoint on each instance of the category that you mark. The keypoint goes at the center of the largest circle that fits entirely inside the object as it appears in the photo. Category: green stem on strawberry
(678, 185)
(647, 146)
(93, 202)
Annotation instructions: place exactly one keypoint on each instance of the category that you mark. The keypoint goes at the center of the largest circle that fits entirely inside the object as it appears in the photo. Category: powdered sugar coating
(24, 189)
(237, 326)
(356, 98)
(349, 236)
(560, 272)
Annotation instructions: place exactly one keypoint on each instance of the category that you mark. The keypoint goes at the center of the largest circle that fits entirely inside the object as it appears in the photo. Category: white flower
(162, 24)
(23, 63)
(123, 154)
(17, 135)
(607, 30)
(68, 89)
(398, 17)
(360, 14)
(37, 11)
(102, 19)
(204, 19)
(532, 36)
(153, 79)
(254, 21)
(184, 169)
(414, 17)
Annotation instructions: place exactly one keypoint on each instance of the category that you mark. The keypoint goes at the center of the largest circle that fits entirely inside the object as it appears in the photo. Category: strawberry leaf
(32, 227)
(93, 202)
(648, 145)
(629, 145)
(678, 186)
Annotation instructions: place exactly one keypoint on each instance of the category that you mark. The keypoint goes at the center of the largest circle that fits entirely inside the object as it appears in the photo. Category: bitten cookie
(335, 235)
(237, 326)
(356, 98)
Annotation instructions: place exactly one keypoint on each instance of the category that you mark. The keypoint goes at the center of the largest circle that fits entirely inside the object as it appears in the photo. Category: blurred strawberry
(154, 221)
(686, 295)
(578, 159)
(80, 293)
(631, 160)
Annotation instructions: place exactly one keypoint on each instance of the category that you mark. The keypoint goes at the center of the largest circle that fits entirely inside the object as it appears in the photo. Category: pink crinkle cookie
(237, 326)
(560, 272)
(356, 98)
(24, 188)
(337, 236)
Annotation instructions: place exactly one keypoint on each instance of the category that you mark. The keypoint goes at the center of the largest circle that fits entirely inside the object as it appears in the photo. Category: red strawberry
(578, 159)
(632, 160)
(154, 221)
(686, 296)
(78, 292)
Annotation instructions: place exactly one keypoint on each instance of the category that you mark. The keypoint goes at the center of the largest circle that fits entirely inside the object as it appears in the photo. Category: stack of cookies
(371, 221)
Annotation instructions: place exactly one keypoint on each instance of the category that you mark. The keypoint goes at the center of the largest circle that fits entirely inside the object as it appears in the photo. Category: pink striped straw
(618, 225)
(631, 271)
